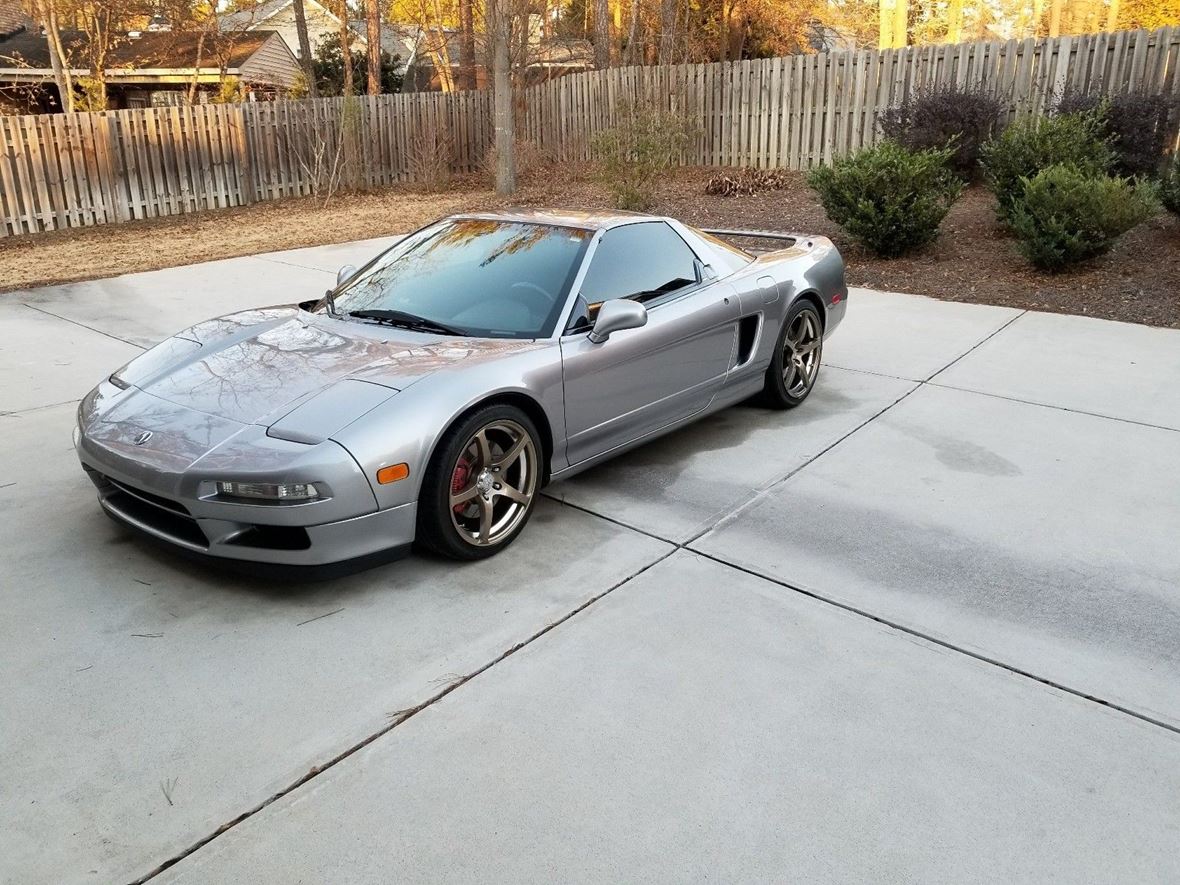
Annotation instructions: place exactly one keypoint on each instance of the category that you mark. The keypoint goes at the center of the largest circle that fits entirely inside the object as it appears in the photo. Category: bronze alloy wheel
(801, 350)
(493, 482)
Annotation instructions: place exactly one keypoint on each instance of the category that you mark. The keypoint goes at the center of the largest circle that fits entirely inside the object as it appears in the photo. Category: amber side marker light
(393, 473)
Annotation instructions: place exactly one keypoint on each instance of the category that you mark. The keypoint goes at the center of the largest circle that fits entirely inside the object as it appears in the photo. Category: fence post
(242, 160)
(106, 145)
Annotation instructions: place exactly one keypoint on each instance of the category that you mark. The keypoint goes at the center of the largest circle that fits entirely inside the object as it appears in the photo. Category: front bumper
(171, 521)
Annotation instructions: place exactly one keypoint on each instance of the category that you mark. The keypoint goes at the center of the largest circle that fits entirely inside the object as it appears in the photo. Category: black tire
(789, 384)
(457, 468)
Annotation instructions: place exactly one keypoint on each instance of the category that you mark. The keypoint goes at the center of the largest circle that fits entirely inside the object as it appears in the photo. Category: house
(150, 68)
(279, 16)
(13, 19)
(547, 58)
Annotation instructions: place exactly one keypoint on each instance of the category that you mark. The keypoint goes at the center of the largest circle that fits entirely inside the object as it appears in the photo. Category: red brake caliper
(459, 480)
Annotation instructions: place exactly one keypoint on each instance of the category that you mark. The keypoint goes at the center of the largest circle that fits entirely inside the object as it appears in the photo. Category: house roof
(162, 50)
(13, 18)
(245, 19)
(553, 51)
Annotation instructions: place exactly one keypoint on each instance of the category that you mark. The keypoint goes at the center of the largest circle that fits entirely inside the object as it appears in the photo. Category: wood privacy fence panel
(800, 111)
(76, 170)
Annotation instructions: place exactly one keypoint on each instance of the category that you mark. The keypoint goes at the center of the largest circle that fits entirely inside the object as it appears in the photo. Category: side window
(641, 261)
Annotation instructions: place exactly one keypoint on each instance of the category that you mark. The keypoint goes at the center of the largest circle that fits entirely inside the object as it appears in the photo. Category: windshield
(478, 277)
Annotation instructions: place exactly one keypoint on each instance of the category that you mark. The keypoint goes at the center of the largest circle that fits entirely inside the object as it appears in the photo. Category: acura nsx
(431, 394)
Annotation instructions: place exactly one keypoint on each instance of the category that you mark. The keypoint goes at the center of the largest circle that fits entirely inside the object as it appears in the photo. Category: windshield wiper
(406, 320)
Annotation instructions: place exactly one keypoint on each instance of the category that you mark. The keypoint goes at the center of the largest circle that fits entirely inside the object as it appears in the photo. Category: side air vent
(747, 338)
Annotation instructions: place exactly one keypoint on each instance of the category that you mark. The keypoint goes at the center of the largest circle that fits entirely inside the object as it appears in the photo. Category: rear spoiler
(759, 235)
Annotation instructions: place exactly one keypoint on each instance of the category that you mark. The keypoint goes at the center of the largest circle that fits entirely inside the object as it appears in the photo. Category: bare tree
(47, 12)
(466, 45)
(373, 35)
(601, 34)
(667, 30)
(346, 47)
(885, 19)
(901, 21)
(305, 60)
(633, 34)
(954, 21)
(1112, 16)
(1055, 9)
(499, 26)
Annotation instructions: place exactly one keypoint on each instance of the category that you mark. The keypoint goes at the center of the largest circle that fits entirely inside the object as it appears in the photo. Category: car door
(640, 380)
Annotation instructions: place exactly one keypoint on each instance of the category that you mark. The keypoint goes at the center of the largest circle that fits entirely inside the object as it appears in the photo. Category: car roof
(598, 219)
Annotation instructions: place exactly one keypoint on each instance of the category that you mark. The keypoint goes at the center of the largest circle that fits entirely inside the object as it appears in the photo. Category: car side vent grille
(747, 337)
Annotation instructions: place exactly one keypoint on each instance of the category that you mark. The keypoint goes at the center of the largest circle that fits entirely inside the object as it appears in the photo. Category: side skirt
(725, 398)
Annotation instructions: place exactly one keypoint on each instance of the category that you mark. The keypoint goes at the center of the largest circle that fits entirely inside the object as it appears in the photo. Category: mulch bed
(973, 260)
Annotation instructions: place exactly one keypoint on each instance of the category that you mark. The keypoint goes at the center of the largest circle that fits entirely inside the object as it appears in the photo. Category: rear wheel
(795, 367)
(481, 485)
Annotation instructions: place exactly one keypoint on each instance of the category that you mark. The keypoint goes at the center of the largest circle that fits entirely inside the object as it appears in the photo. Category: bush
(747, 182)
(1170, 187)
(962, 119)
(889, 199)
(1135, 124)
(1066, 214)
(638, 149)
(1024, 149)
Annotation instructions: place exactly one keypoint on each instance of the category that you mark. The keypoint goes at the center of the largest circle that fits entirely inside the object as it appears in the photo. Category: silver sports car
(432, 394)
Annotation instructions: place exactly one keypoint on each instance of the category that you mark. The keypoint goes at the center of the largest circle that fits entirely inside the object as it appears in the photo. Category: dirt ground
(973, 260)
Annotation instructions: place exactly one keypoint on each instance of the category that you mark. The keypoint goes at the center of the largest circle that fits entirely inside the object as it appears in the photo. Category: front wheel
(481, 485)
(795, 365)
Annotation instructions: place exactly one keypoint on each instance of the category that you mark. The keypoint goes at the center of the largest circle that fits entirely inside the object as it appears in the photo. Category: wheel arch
(518, 399)
(812, 296)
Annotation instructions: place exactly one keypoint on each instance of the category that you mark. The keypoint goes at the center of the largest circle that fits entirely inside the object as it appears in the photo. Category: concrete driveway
(925, 628)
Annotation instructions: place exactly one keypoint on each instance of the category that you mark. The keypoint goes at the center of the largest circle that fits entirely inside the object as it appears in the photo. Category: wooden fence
(800, 111)
(76, 170)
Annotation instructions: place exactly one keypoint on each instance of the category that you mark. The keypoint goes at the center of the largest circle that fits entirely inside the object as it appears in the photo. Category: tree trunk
(667, 31)
(601, 34)
(192, 87)
(723, 33)
(466, 46)
(885, 10)
(633, 33)
(373, 37)
(346, 48)
(57, 56)
(1112, 16)
(305, 60)
(500, 26)
(1055, 8)
(901, 16)
(954, 21)
(1038, 12)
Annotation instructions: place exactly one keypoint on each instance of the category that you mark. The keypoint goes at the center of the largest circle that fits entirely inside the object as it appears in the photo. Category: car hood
(255, 367)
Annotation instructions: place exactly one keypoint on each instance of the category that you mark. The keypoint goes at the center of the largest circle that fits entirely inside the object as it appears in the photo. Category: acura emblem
(143, 437)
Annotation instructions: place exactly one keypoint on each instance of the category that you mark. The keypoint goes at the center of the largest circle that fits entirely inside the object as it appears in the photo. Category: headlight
(278, 493)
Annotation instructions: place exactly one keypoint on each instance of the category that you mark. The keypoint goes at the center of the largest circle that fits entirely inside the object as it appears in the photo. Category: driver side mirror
(345, 274)
(616, 315)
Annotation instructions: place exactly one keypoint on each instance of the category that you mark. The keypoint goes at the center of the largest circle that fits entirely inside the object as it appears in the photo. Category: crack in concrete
(942, 643)
(396, 719)
(50, 313)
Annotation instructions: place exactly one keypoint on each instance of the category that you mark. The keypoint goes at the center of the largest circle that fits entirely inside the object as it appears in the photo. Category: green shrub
(1065, 215)
(640, 147)
(1170, 187)
(1136, 125)
(889, 199)
(962, 119)
(1025, 148)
